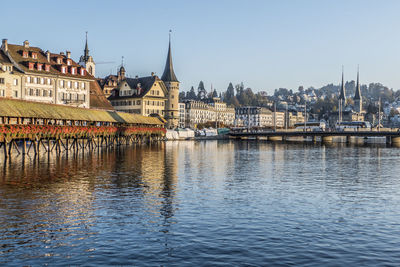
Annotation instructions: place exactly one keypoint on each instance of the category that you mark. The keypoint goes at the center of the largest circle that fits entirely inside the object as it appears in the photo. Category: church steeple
(357, 96)
(342, 95)
(358, 89)
(169, 75)
(86, 51)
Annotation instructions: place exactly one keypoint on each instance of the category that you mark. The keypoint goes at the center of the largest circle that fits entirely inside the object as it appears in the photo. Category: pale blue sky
(265, 44)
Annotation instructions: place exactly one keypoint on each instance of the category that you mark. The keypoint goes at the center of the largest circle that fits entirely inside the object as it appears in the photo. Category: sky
(264, 44)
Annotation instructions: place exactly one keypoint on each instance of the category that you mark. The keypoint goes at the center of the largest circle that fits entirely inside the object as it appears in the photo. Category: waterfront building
(146, 96)
(182, 115)
(210, 110)
(10, 78)
(172, 85)
(294, 117)
(48, 77)
(259, 117)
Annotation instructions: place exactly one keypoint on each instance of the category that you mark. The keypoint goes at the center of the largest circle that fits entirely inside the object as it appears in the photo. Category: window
(63, 69)
(39, 66)
(41, 80)
(15, 82)
(45, 93)
(83, 85)
(1, 80)
(34, 55)
(58, 60)
(37, 92)
(47, 67)
(2, 92)
(50, 93)
(68, 62)
(48, 81)
(69, 84)
(30, 91)
(73, 71)
(25, 54)
(76, 85)
(35, 80)
(28, 79)
(138, 102)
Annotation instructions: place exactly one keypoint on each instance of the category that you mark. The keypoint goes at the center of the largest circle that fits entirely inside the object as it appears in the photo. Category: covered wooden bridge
(30, 126)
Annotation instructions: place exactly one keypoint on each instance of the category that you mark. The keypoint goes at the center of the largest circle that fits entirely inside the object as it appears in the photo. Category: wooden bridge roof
(26, 109)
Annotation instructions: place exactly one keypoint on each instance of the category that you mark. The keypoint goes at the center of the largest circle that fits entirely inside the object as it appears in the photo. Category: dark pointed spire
(358, 89)
(169, 75)
(86, 51)
(342, 95)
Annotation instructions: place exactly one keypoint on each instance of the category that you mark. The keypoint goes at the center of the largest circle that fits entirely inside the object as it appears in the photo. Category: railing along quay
(392, 135)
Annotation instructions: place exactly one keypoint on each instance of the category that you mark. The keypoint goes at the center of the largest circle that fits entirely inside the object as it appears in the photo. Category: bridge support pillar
(327, 139)
(274, 138)
(314, 139)
(348, 139)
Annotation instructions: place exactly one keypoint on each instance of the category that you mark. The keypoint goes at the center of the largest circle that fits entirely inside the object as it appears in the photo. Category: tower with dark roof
(172, 85)
(357, 96)
(87, 61)
(342, 97)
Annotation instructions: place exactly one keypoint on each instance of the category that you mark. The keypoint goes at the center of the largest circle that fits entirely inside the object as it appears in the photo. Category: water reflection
(202, 203)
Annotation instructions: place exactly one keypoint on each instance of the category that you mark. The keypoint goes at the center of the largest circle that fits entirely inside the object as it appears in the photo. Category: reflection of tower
(357, 96)
(86, 60)
(172, 84)
(169, 179)
(342, 98)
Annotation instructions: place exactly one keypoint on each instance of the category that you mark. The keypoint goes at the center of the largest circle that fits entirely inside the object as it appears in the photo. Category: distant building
(10, 78)
(111, 82)
(251, 116)
(357, 96)
(182, 115)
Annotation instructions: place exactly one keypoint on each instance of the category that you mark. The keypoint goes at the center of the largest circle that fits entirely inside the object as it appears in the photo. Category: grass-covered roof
(27, 109)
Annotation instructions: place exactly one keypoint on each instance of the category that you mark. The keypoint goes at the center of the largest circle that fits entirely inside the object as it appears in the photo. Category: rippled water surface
(204, 203)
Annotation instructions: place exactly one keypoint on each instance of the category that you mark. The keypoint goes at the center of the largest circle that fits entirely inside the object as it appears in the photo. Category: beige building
(48, 77)
(213, 110)
(149, 95)
(10, 78)
(146, 96)
(259, 117)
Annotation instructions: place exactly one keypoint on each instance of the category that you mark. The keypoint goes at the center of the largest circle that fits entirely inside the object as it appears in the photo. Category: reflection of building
(48, 77)
(259, 117)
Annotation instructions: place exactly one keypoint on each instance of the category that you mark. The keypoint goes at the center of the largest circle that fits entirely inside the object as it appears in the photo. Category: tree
(230, 93)
(191, 94)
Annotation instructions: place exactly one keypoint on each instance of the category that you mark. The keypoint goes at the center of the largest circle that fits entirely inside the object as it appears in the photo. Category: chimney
(5, 45)
(48, 55)
(26, 44)
(68, 54)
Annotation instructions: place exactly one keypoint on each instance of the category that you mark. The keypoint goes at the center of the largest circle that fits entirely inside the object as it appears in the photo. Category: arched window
(91, 70)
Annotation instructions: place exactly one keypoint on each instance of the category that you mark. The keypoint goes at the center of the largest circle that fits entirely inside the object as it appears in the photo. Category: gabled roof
(16, 53)
(146, 83)
(169, 74)
(3, 58)
(358, 89)
(97, 98)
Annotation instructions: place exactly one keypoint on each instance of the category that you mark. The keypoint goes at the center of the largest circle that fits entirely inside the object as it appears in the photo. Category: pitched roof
(16, 53)
(146, 83)
(3, 58)
(342, 95)
(97, 98)
(169, 75)
(358, 89)
(27, 109)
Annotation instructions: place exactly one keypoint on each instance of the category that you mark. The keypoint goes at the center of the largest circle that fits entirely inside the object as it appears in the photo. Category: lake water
(202, 204)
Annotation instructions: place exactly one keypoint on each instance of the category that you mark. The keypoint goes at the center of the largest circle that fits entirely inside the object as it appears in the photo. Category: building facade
(249, 116)
(10, 78)
(48, 77)
(145, 96)
(211, 110)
